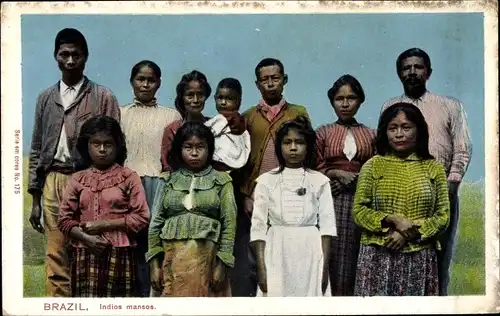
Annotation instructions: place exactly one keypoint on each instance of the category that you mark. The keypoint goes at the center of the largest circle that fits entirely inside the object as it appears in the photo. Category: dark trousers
(142, 273)
(143, 285)
(244, 273)
(448, 244)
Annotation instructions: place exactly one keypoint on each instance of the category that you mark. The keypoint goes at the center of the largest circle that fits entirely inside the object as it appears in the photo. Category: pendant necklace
(301, 191)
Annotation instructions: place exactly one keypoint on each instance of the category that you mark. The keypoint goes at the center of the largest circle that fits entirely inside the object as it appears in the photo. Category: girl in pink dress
(103, 207)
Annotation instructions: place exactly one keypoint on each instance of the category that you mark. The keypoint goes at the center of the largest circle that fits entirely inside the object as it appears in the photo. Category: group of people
(144, 200)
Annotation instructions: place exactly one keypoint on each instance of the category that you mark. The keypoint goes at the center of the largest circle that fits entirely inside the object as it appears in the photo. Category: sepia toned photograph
(309, 157)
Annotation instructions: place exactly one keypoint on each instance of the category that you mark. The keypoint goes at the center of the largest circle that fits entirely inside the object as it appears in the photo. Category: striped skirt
(110, 274)
(384, 272)
(345, 247)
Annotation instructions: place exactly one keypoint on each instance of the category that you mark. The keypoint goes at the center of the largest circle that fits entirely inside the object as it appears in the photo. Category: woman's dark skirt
(345, 247)
(384, 272)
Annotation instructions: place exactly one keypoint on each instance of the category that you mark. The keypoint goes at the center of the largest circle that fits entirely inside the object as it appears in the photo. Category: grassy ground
(468, 273)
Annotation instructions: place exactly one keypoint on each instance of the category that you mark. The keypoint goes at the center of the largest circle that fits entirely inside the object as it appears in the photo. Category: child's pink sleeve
(69, 212)
(138, 216)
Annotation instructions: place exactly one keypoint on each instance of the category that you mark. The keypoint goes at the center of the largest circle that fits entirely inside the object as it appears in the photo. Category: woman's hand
(405, 226)
(262, 276)
(396, 240)
(94, 227)
(156, 275)
(218, 276)
(342, 176)
(325, 279)
(259, 247)
(96, 244)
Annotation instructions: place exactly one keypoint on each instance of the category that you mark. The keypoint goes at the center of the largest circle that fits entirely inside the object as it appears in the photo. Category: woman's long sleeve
(320, 151)
(166, 145)
(157, 222)
(439, 220)
(228, 225)
(363, 213)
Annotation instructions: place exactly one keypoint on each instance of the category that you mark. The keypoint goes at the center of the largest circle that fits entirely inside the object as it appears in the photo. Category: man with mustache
(449, 140)
(60, 112)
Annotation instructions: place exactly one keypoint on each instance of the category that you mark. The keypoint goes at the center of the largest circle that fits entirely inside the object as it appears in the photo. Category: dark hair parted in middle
(145, 63)
(347, 80)
(414, 115)
(269, 62)
(71, 36)
(230, 83)
(93, 126)
(302, 126)
(187, 130)
(194, 75)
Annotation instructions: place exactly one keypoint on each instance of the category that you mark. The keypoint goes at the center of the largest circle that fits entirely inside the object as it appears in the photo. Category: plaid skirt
(384, 272)
(110, 274)
(345, 247)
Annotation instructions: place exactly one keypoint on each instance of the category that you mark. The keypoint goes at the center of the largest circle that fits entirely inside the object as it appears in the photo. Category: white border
(15, 304)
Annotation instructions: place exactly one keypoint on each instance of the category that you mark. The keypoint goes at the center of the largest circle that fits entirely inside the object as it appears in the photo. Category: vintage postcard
(317, 43)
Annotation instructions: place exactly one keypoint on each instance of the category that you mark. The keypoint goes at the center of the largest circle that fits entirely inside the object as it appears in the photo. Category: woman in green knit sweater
(402, 205)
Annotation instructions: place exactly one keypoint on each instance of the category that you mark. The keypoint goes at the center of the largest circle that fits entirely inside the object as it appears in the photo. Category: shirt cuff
(66, 228)
(328, 231)
(423, 230)
(377, 221)
(455, 177)
(257, 236)
(153, 252)
(33, 189)
(226, 258)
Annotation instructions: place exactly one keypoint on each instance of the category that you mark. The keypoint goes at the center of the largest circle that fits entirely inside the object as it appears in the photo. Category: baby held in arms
(232, 141)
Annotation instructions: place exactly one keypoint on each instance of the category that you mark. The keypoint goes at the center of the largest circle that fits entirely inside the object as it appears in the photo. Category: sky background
(316, 50)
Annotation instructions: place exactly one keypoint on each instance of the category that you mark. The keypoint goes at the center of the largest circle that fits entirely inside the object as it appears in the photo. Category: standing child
(103, 207)
(193, 225)
(232, 141)
(293, 219)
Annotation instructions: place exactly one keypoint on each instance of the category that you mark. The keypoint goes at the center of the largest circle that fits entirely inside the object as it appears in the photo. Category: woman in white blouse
(293, 219)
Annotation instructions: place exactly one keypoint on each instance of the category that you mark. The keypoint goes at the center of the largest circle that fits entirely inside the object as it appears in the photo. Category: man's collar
(63, 87)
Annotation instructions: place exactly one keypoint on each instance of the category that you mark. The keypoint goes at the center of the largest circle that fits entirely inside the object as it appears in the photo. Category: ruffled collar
(110, 169)
(206, 179)
(189, 173)
(97, 180)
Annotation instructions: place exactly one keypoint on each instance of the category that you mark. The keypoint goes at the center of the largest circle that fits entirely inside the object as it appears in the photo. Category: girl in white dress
(293, 220)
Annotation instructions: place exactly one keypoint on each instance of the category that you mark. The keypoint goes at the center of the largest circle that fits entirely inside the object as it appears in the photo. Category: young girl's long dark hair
(187, 130)
(303, 126)
(100, 124)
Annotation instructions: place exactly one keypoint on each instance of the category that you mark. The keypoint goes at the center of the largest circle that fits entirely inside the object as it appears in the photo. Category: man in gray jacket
(60, 112)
